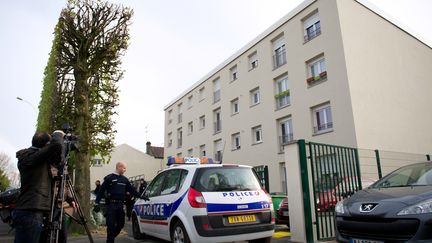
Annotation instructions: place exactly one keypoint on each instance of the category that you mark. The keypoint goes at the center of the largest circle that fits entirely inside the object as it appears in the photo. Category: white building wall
(356, 121)
(138, 163)
(390, 82)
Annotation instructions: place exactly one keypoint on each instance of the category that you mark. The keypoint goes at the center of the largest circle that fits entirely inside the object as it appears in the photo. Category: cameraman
(36, 185)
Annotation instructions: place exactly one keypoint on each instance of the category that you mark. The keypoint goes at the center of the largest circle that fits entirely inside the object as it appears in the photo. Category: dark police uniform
(116, 187)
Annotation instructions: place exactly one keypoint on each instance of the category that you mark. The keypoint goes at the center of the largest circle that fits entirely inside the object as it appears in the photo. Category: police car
(196, 200)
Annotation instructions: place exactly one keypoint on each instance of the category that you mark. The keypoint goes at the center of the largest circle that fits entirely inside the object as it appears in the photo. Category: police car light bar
(190, 160)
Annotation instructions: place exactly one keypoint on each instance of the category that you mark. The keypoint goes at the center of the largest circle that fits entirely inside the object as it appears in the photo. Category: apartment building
(330, 71)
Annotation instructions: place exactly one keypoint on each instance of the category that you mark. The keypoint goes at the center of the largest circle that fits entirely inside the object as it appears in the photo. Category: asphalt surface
(7, 236)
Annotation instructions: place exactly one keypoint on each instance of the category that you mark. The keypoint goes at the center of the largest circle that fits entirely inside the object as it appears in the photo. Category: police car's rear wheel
(179, 234)
(136, 229)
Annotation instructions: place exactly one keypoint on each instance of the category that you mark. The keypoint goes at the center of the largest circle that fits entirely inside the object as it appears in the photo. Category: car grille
(394, 230)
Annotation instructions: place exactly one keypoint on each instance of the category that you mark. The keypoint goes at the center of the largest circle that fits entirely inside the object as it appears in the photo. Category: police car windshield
(219, 179)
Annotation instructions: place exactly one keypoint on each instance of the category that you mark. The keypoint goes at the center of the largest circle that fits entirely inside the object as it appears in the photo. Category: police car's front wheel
(136, 229)
(179, 234)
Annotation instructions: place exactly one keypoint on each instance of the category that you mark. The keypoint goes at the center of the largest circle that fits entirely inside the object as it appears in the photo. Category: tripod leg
(82, 219)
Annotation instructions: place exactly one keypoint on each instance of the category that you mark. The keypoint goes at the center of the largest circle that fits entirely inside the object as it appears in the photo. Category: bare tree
(5, 161)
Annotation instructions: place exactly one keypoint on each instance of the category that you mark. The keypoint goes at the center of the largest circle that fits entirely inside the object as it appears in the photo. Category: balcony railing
(217, 126)
(216, 96)
(282, 99)
(279, 59)
(312, 34)
(284, 140)
(323, 127)
(218, 156)
(321, 77)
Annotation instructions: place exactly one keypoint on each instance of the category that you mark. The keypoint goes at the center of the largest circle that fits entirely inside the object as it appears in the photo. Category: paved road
(7, 236)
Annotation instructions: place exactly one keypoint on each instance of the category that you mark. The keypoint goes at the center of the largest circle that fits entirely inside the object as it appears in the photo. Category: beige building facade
(330, 71)
(139, 164)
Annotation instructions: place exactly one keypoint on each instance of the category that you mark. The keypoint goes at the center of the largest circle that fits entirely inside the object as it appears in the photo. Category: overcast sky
(173, 45)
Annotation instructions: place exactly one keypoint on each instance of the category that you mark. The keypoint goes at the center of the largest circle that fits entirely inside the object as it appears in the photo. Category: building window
(253, 61)
(190, 128)
(169, 139)
(179, 138)
(179, 155)
(235, 141)
(218, 150)
(217, 120)
(317, 70)
(179, 113)
(169, 116)
(202, 122)
(234, 106)
(233, 73)
(285, 132)
(190, 101)
(190, 152)
(202, 150)
(282, 95)
(97, 163)
(216, 90)
(311, 27)
(257, 135)
(201, 94)
(279, 53)
(255, 96)
(323, 120)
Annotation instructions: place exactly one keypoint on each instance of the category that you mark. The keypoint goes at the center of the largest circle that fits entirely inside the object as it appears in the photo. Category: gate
(262, 172)
(335, 175)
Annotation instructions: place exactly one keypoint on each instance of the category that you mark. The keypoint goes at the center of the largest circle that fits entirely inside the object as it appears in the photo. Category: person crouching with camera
(36, 185)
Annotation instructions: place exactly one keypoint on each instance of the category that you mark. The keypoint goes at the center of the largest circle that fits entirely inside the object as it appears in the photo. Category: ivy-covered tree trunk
(81, 88)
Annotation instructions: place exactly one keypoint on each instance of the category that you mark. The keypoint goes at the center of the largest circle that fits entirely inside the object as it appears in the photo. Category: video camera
(70, 139)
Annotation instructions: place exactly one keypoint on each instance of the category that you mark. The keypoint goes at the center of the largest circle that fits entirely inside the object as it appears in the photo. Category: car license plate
(285, 213)
(241, 219)
(365, 241)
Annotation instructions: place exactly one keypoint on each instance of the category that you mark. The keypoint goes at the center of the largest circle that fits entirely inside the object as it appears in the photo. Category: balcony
(310, 34)
(216, 96)
(279, 59)
(217, 126)
(323, 127)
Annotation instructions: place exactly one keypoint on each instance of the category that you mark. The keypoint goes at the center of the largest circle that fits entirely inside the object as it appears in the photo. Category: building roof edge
(246, 47)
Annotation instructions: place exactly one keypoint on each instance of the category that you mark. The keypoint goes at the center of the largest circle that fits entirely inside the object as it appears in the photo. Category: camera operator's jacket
(36, 182)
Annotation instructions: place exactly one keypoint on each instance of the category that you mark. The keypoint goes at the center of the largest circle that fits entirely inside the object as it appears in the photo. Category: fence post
(306, 193)
(428, 157)
(378, 160)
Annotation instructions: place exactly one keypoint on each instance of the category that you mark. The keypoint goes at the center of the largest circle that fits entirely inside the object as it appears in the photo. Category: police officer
(116, 185)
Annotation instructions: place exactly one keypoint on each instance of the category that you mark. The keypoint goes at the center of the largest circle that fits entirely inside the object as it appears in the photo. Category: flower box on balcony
(283, 93)
(310, 79)
(323, 74)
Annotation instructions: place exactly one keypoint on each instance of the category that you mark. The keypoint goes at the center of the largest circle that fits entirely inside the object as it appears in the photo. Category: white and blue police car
(200, 201)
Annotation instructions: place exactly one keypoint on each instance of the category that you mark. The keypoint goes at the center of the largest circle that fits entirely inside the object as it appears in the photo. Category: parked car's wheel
(262, 240)
(136, 229)
(179, 234)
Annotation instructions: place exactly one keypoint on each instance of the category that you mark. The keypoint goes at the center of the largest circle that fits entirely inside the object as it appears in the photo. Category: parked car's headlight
(339, 209)
(419, 208)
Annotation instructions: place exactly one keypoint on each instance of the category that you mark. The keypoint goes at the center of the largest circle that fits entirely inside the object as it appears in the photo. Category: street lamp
(23, 100)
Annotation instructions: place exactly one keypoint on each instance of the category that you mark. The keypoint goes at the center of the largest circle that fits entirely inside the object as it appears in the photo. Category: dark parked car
(282, 212)
(396, 208)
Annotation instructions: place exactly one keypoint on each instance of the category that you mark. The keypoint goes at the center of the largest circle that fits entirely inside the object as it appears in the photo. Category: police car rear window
(218, 179)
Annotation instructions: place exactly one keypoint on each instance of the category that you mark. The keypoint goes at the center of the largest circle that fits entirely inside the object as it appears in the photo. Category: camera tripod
(62, 186)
